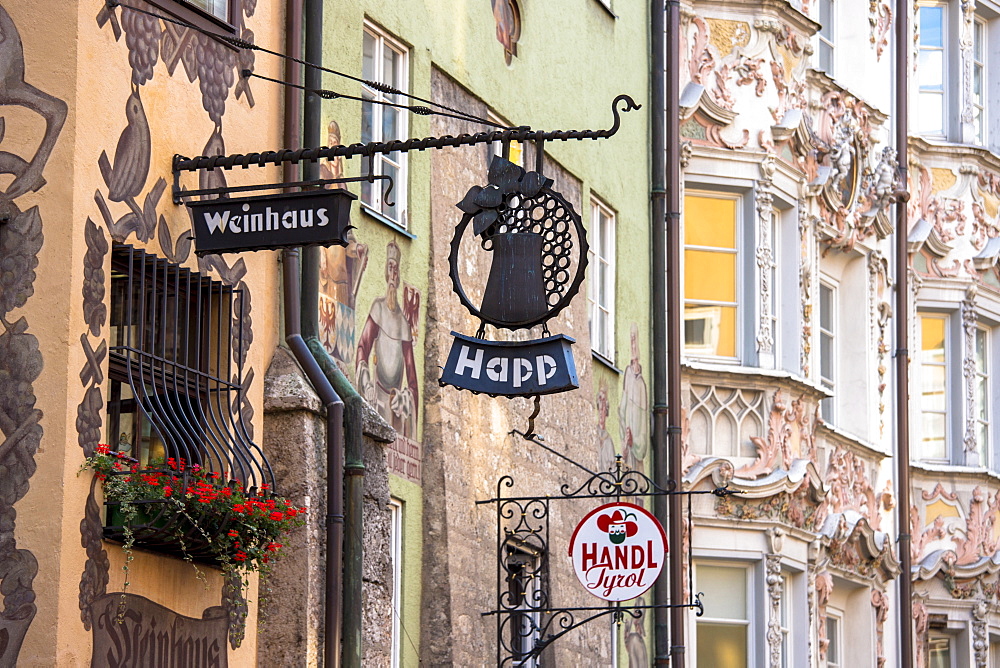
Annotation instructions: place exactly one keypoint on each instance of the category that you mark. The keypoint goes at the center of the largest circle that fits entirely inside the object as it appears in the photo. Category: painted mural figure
(605, 446)
(635, 640)
(340, 275)
(633, 410)
(386, 371)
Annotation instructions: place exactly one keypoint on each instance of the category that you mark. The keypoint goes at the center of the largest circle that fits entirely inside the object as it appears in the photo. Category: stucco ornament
(879, 21)
(790, 436)
(824, 587)
(980, 634)
(775, 587)
(880, 602)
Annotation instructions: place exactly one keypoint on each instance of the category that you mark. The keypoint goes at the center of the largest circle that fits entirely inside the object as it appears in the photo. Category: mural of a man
(386, 371)
(340, 275)
(633, 416)
(635, 640)
(605, 446)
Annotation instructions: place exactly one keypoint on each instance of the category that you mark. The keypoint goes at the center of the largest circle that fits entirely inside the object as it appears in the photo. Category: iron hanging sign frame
(280, 157)
(526, 622)
(537, 250)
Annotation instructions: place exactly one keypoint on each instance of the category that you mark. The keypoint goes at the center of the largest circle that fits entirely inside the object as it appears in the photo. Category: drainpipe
(347, 613)
(312, 120)
(334, 454)
(354, 471)
(902, 338)
(295, 300)
(674, 315)
(665, 205)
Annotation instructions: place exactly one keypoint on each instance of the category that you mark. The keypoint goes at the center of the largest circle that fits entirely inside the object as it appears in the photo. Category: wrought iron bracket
(526, 621)
(520, 134)
(179, 193)
(564, 620)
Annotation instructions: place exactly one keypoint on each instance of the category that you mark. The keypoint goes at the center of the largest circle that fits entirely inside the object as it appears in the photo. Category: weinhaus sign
(618, 551)
(149, 635)
(307, 218)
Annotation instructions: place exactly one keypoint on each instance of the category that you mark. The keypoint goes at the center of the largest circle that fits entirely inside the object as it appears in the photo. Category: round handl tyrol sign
(618, 551)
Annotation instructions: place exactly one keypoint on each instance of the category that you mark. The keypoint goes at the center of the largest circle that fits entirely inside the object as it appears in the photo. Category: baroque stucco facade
(809, 441)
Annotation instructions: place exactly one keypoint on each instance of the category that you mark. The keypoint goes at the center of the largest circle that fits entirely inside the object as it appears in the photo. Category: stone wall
(295, 441)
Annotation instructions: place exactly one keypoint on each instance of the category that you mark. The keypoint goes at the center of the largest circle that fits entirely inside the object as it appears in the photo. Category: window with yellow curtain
(933, 387)
(711, 228)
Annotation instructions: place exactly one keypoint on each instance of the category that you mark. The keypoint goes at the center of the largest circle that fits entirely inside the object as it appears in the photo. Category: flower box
(199, 515)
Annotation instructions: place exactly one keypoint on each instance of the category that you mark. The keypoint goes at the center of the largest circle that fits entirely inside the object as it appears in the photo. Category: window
(939, 652)
(217, 8)
(384, 62)
(834, 648)
(979, 81)
(825, 36)
(785, 622)
(396, 552)
(724, 632)
(602, 280)
(982, 395)
(212, 15)
(711, 227)
(827, 348)
(957, 401)
(950, 53)
(516, 152)
(175, 380)
(933, 387)
(932, 69)
(525, 593)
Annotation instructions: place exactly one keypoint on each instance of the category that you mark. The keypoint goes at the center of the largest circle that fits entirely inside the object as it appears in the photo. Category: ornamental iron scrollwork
(526, 621)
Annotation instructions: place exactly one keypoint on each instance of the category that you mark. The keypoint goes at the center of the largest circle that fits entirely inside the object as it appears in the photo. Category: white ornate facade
(787, 111)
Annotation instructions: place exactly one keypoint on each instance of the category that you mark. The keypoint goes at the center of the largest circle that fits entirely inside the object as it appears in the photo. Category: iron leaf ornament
(538, 243)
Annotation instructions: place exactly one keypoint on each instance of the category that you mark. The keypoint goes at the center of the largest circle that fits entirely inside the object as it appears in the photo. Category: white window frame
(947, 412)
(994, 660)
(836, 641)
(980, 107)
(983, 413)
(374, 202)
(603, 230)
(751, 623)
(948, 640)
(740, 305)
(396, 554)
(826, 37)
(496, 148)
(828, 330)
(786, 620)
(946, 60)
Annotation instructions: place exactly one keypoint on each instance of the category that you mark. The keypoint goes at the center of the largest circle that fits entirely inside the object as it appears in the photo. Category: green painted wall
(573, 57)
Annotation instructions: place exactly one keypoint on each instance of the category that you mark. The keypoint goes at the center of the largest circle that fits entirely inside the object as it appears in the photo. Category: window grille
(176, 388)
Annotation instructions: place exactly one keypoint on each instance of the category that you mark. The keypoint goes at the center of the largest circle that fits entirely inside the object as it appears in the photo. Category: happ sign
(618, 551)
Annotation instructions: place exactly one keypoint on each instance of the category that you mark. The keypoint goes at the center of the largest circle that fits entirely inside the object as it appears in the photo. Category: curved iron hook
(531, 418)
(630, 105)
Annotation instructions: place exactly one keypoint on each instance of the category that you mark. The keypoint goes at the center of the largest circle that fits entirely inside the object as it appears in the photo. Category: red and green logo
(618, 525)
